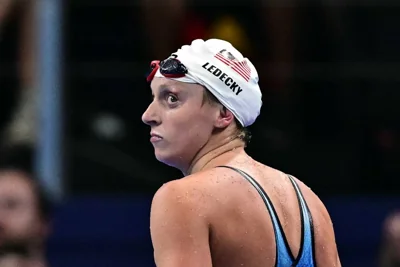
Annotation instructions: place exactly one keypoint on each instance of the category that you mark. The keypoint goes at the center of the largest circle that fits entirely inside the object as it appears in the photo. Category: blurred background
(73, 89)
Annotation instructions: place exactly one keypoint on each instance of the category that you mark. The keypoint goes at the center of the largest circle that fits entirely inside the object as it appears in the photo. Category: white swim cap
(223, 70)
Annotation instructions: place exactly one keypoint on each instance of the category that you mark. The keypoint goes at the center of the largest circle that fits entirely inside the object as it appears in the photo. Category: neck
(210, 154)
(32, 259)
(14, 260)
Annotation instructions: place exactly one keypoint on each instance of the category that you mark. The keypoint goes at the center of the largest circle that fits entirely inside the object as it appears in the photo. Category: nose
(150, 116)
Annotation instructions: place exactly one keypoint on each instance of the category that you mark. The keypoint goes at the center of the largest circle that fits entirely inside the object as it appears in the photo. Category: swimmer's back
(240, 230)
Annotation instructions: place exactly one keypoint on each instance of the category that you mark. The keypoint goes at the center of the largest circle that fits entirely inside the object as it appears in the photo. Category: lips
(155, 137)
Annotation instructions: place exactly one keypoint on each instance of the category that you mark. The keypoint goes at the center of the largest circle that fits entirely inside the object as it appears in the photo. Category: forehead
(13, 183)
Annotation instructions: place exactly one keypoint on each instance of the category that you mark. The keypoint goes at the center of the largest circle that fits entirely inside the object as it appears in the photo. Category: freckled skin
(213, 216)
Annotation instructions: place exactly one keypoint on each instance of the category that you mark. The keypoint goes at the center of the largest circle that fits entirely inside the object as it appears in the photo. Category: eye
(12, 204)
(172, 99)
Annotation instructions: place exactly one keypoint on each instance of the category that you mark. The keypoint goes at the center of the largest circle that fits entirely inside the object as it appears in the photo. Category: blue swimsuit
(284, 256)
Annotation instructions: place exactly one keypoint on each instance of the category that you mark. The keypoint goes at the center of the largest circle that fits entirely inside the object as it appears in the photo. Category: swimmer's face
(180, 122)
(20, 220)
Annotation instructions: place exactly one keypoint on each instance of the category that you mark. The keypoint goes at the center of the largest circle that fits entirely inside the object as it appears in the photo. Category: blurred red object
(195, 27)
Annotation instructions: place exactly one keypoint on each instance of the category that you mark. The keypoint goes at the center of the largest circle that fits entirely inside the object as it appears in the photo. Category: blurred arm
(5, 7)
(26, 44)
(180, 237)
(22, 127)
(26, 41)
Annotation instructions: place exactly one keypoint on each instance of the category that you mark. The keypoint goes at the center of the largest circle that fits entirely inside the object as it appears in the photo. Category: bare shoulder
(193, 191)
(315, 203)
(172, 196)
(188, 188)
(180, 195)
(323, 228)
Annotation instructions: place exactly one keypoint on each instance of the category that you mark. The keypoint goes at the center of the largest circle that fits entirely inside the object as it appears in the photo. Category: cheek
(185, 135)
(195, 132)
(187, 128)
(22, 221)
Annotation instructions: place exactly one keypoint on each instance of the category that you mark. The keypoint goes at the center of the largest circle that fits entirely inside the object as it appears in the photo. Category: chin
(167, 159)
(163, 157)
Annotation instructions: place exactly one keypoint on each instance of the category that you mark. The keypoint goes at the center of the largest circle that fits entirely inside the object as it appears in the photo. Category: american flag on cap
(240, 67)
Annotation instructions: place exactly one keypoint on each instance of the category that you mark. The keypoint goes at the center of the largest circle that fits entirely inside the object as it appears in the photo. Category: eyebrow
(167, 87)
(164, 86)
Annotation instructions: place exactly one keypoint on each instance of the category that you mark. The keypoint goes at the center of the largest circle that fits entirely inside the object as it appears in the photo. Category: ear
(224, 119)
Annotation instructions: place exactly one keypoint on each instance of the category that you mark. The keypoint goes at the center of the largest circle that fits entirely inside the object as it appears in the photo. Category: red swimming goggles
(170, 68)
